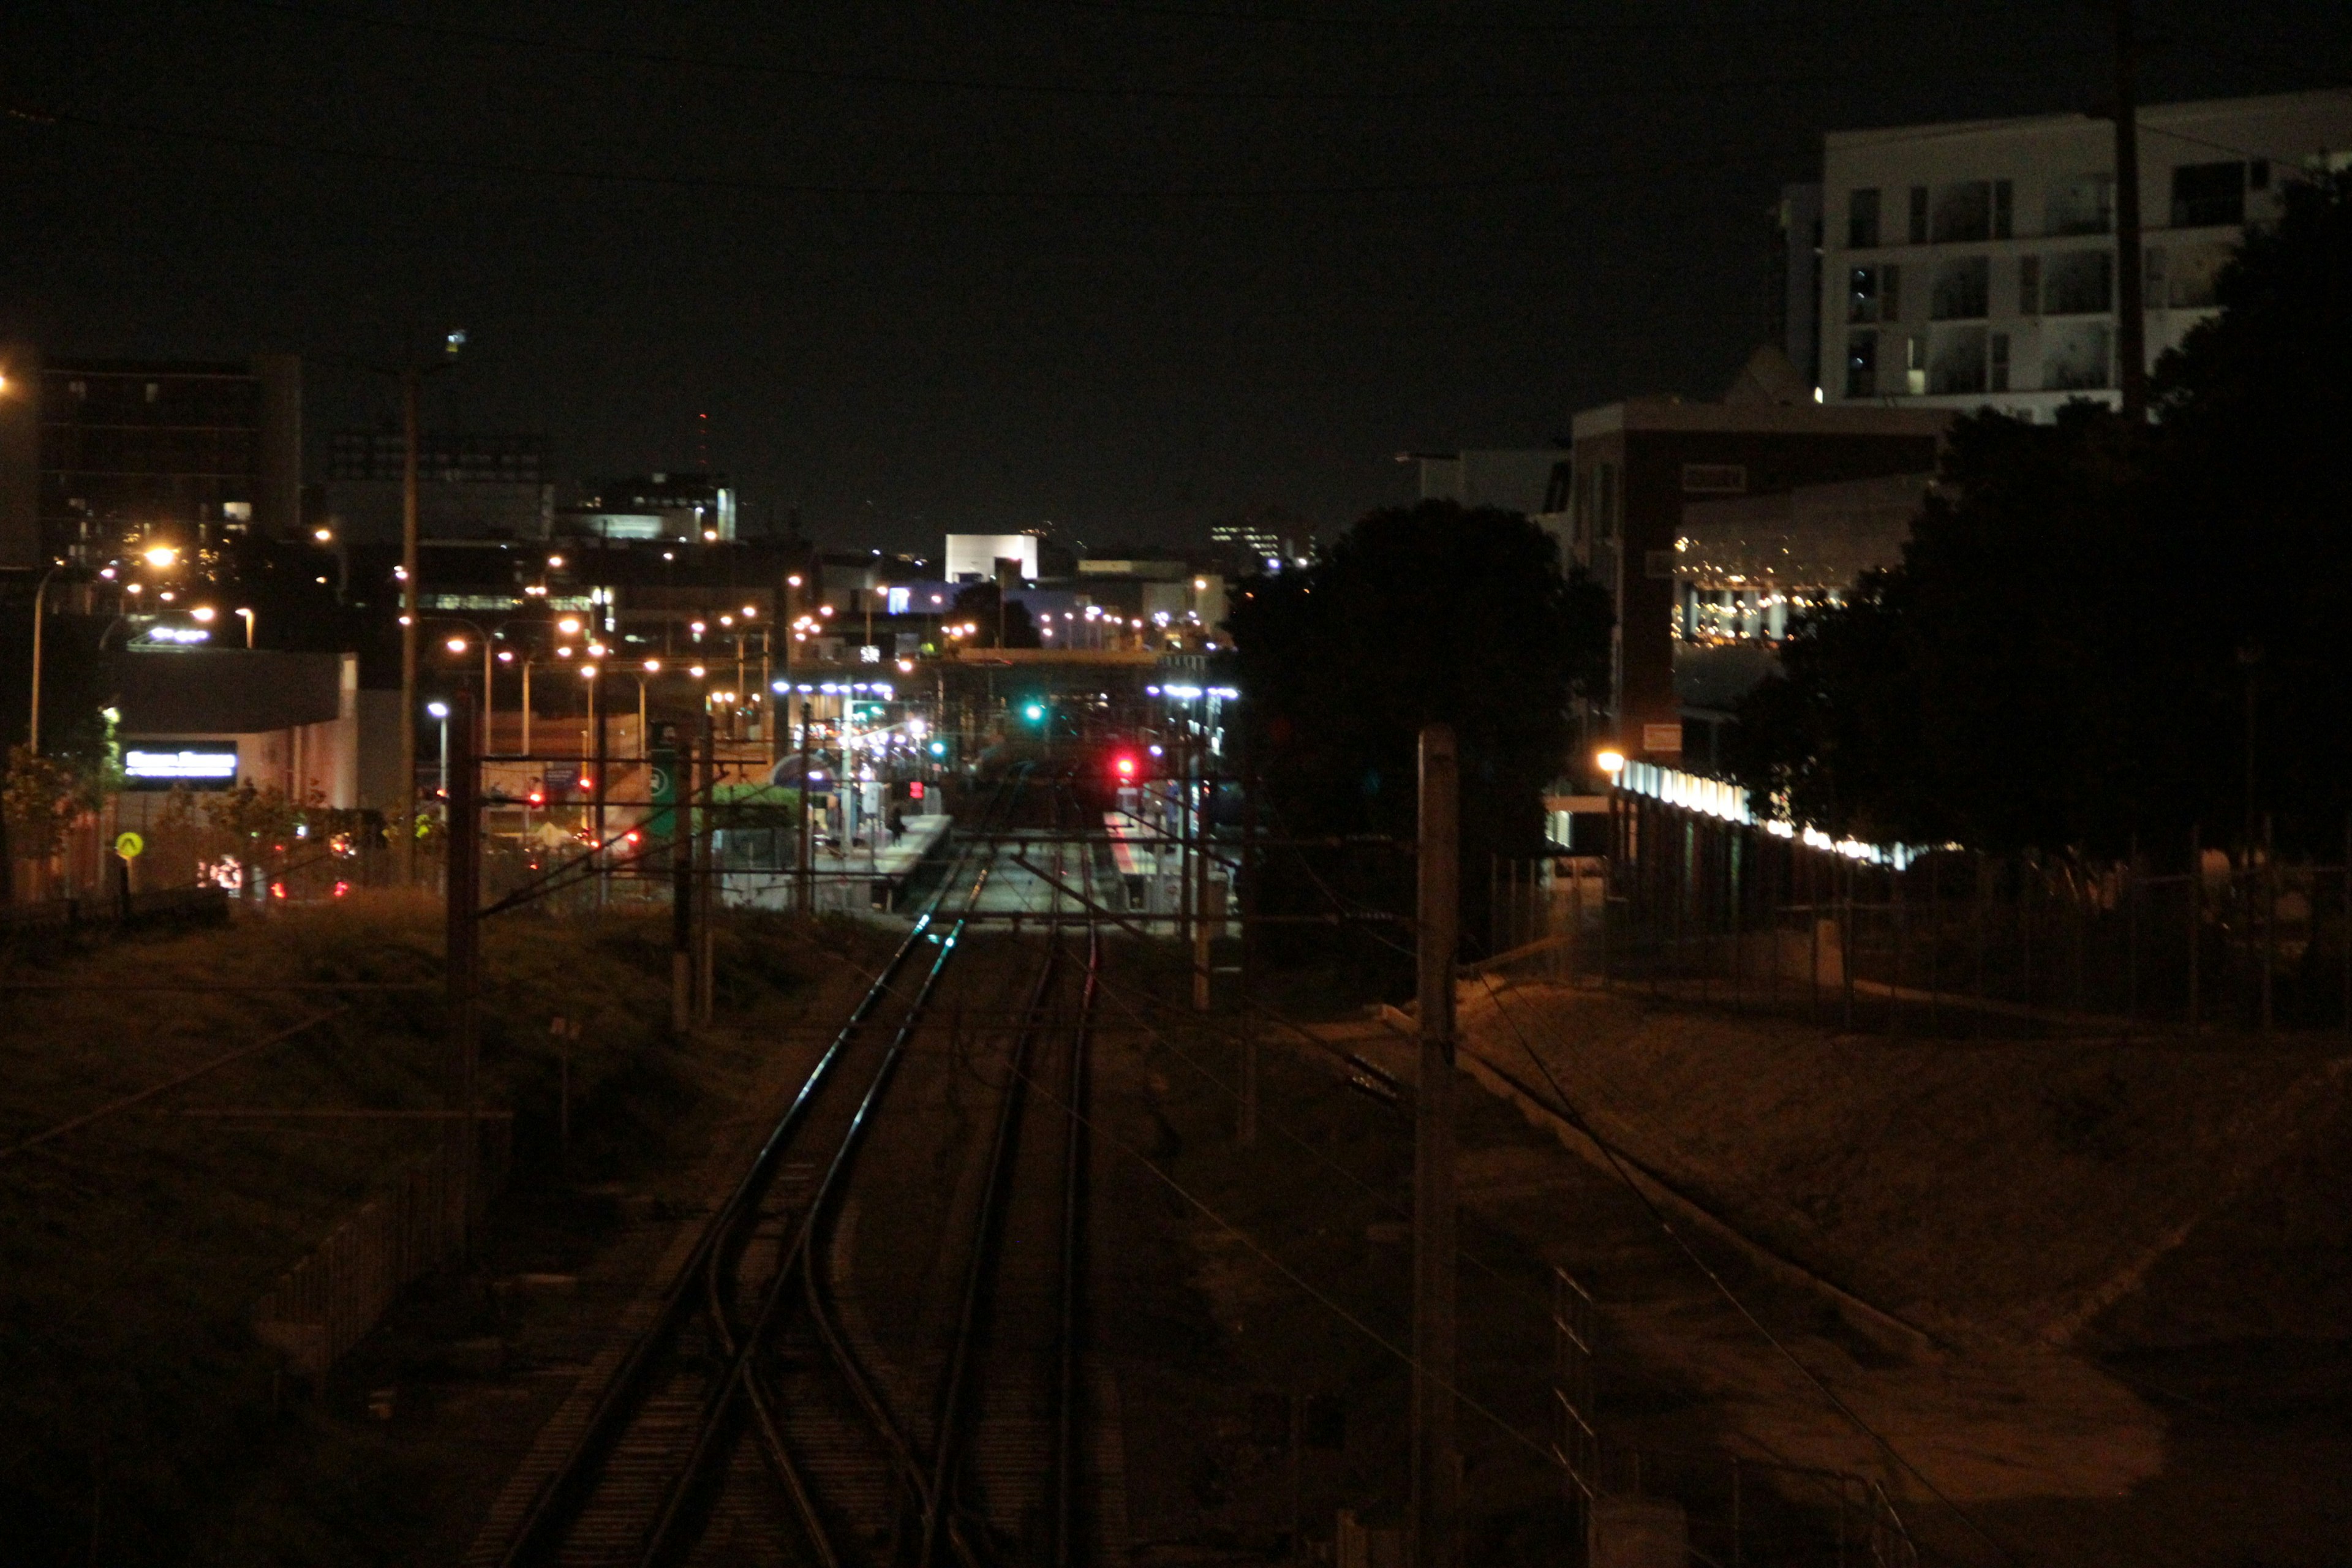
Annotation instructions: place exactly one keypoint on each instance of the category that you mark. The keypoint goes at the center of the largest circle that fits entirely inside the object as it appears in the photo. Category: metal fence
(327, 1303)
(1944, 942)
(1698, 1505)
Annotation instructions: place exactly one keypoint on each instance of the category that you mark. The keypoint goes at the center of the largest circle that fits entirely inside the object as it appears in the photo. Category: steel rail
(810, 1257)
(1068, 1394)
(981, 1266)
(564, 1494)
(741, 1348)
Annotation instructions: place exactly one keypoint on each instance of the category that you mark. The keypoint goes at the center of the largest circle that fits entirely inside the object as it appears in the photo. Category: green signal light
(1035, 712)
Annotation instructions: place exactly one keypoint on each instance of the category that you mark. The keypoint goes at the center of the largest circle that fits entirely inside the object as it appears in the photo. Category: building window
(1964, 212)
(1714, 479)
(1996, 365)
(2075, 357)
(1918, 215)
(1861, 364)
(2079, 283)
(1959, 365)
(1915, 365)
(2085, 204)
(2029, 284)
(2258, 174)
(1963, 289)
(1862, 218)
(2194, 269)
(2208, 195)
(2004, 209)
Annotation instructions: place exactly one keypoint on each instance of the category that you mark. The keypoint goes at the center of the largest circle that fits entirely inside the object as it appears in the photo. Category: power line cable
(1566, 1110)
(1722, 170)
(744, 65)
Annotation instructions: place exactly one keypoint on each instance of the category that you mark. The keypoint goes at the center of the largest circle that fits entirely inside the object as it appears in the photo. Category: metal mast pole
(1435, 1476)
(462, 887)
(2131, 316)
(406, 855)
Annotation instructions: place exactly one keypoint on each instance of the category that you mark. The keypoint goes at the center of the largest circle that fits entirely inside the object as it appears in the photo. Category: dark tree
(980, 603)
(2089, 614)
(1413, 616)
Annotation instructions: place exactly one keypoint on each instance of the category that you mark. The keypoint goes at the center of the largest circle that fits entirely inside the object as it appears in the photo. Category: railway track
(768, 1407)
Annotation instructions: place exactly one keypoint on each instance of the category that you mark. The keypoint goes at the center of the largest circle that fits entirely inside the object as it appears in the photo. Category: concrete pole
(2131, 316)
(406, 856)
(681, 889)
(462, 885)
(706, 983)
(1437, 1473)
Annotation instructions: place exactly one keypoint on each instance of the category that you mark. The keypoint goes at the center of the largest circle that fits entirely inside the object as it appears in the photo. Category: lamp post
(244, 614)
(40, 594)
(440, 711)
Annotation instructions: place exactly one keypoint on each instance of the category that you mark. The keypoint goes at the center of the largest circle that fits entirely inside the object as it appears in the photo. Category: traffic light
(1035, 712)
(1123, 766)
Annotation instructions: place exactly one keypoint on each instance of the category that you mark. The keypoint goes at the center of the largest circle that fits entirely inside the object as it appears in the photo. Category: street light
(440, 710)
(244, 614)
(162, 557)
(1613, 763)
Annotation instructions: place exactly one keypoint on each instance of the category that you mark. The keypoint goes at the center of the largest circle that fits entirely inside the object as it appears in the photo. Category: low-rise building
(1639, 467)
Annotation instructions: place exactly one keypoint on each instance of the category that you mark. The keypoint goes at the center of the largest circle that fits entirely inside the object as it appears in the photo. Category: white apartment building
(1974, 263)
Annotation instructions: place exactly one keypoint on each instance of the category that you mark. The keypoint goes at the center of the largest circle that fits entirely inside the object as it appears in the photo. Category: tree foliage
(2066, 656)
(1417, 614)
(978, 603)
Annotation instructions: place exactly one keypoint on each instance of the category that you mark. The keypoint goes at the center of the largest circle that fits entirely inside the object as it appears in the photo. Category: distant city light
(160, 556)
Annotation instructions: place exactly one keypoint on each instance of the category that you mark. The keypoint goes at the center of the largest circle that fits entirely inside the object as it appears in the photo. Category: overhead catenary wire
(751, 65)
(1729, 169)
(1568, 1111)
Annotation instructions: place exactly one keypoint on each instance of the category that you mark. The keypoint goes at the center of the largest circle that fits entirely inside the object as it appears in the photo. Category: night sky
(1128, 267)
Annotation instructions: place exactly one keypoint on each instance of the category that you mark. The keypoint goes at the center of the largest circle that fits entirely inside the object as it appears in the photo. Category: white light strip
(182, 764)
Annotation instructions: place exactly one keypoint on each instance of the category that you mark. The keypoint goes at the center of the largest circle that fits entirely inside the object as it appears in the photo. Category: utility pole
(705, 986)
(463, 893)
(2131, 315)
(1436, 1476)
(1203, 792)
(410, 380)
(1245, 894)
(681, 892)
(806, 877)
(604, 766)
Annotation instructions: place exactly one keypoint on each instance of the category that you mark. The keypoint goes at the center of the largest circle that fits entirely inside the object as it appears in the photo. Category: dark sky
(1127, 266)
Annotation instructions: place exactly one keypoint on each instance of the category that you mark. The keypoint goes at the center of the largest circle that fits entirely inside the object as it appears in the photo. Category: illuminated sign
(198, 765)
(177, 636)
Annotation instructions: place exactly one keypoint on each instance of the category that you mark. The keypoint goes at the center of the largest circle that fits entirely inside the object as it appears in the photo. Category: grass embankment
(2157, 1192)
(140, 1421)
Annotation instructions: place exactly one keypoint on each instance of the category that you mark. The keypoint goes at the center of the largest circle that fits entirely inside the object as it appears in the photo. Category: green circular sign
(129, 844)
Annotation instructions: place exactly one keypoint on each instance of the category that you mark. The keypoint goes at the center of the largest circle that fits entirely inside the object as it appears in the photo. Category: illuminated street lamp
(1613, 763)
(440, 710)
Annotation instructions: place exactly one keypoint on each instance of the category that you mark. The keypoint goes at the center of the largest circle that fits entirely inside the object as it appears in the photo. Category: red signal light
(1123, 765)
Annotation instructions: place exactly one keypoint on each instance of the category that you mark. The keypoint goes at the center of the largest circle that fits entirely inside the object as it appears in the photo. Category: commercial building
(470, 485)
(97, 455)
(973, 557)
(203, 719)
(694, 507)
(1529, 480)
(1746, 566)
(1975, 263)
(1639, 467)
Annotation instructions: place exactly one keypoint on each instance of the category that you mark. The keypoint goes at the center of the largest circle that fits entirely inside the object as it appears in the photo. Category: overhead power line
(746, 65)
(1712, 169)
